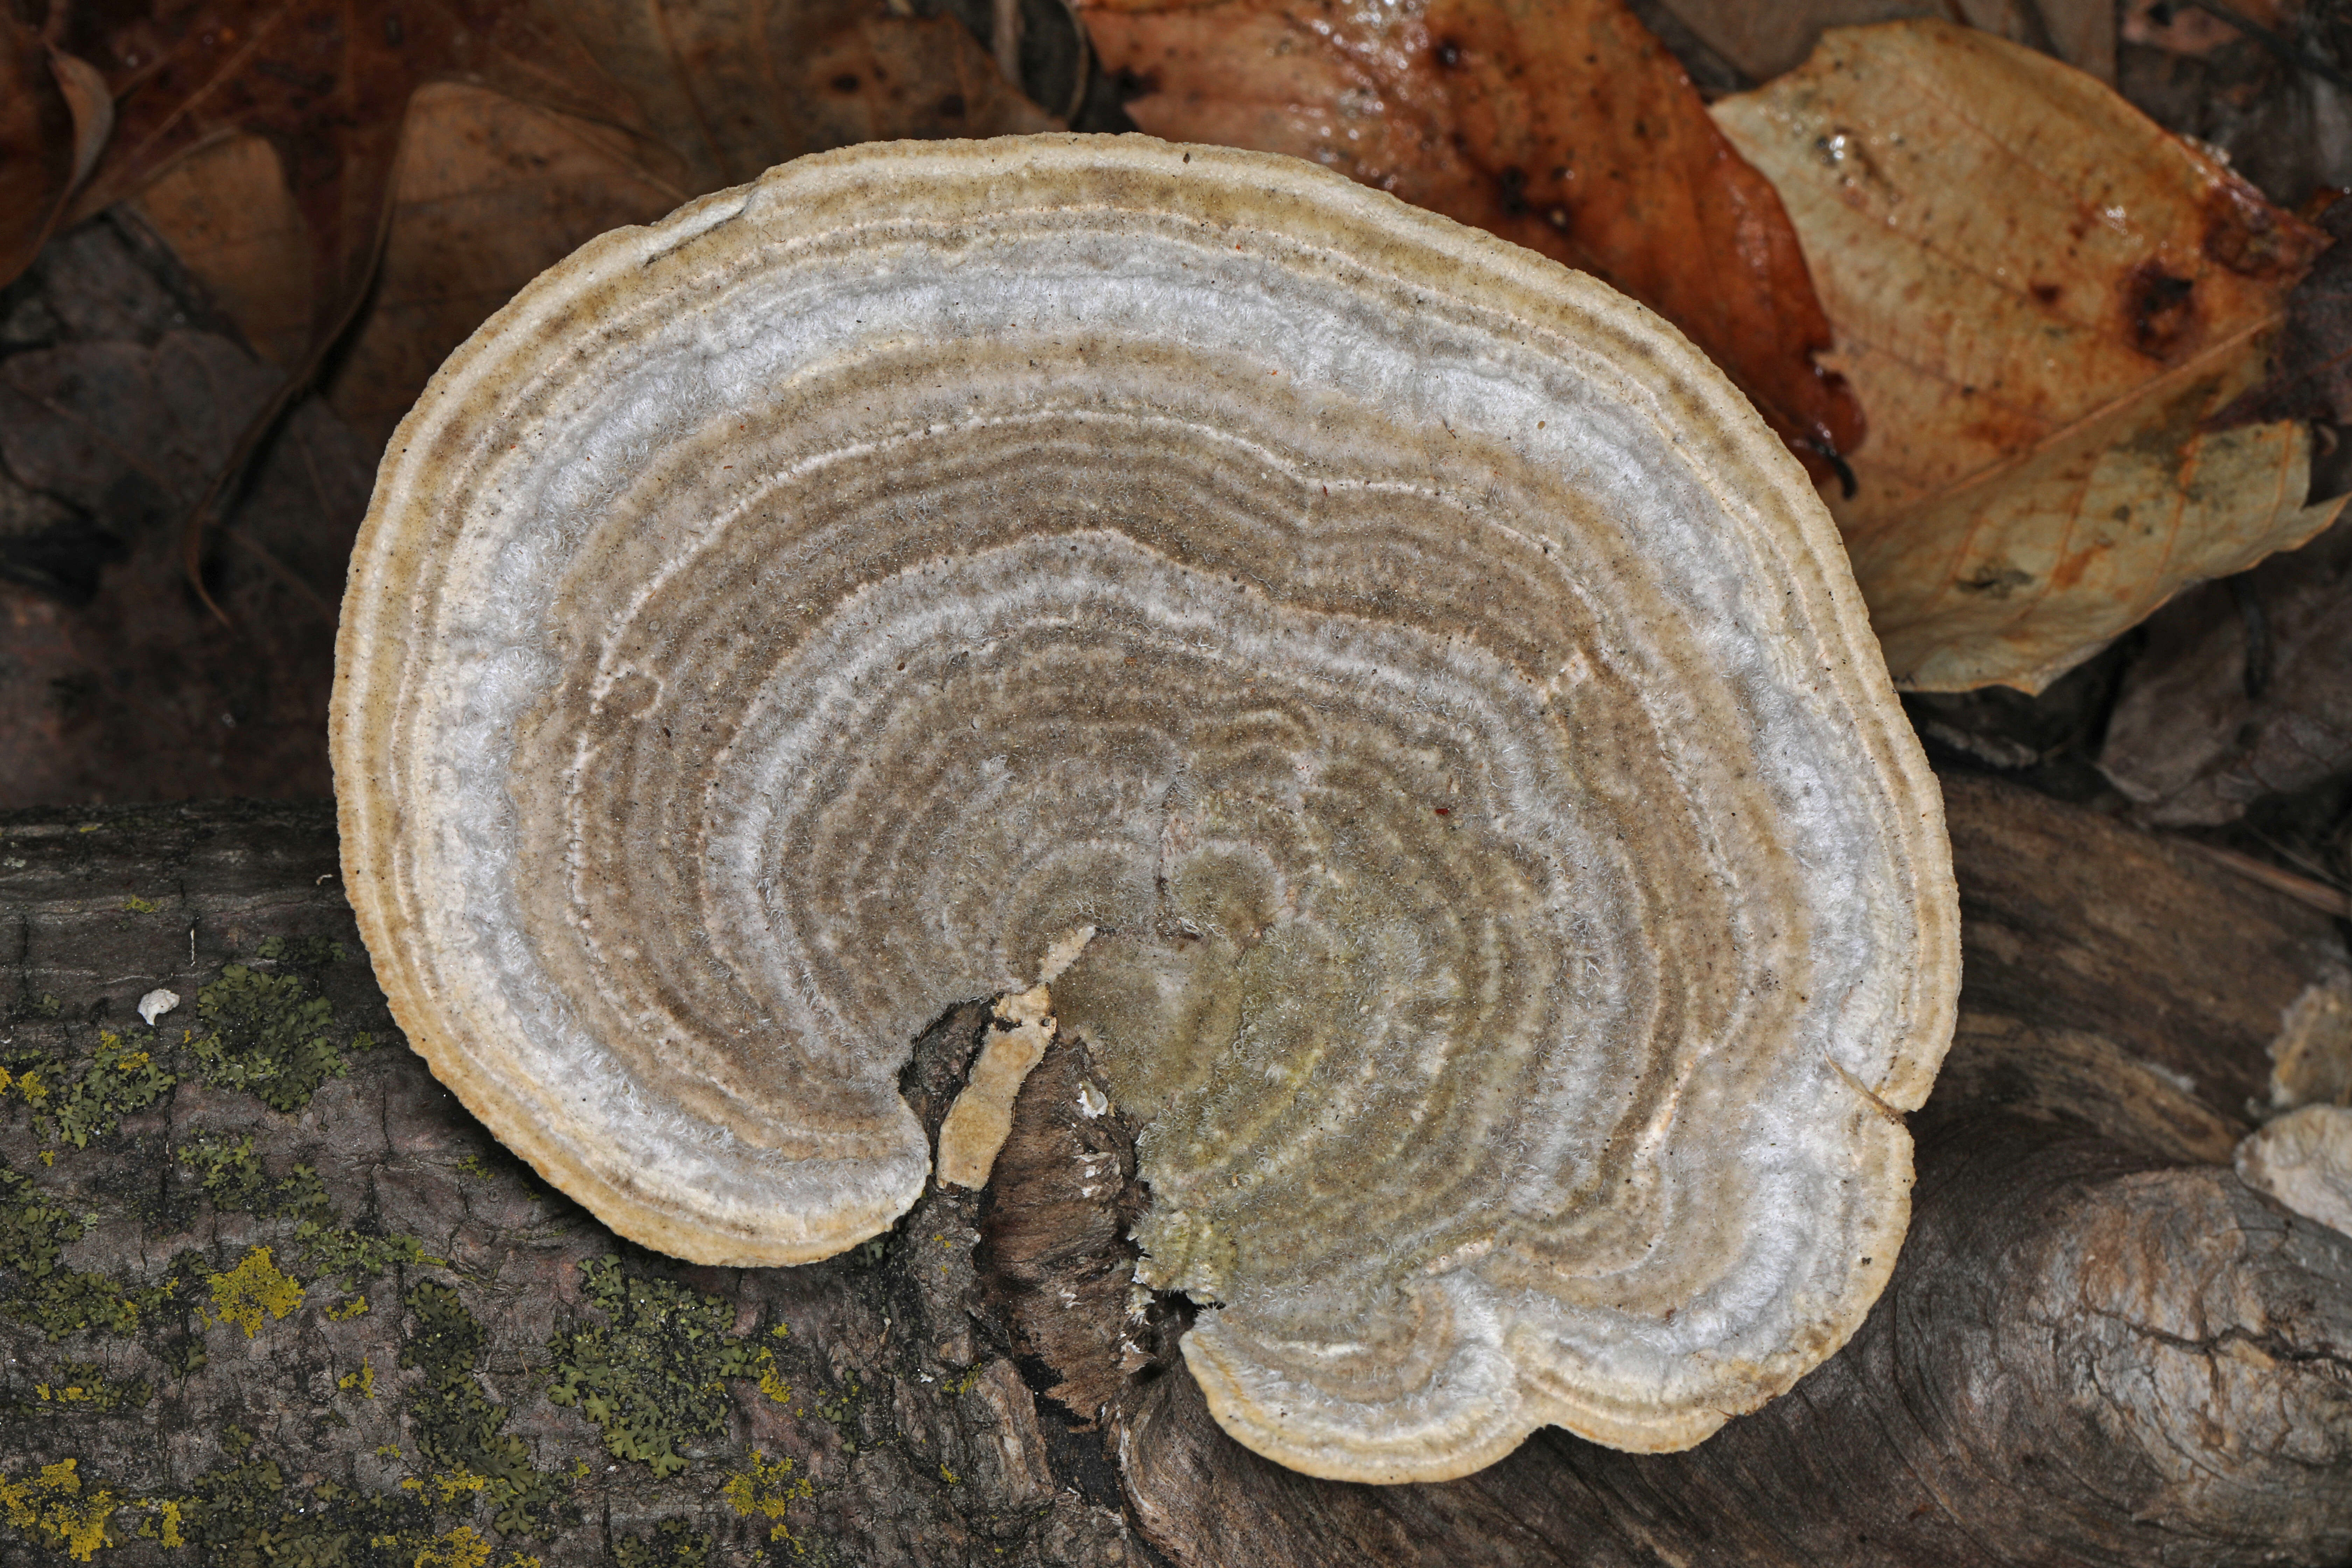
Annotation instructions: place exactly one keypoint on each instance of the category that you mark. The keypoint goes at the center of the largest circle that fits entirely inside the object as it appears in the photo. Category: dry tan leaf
(92, 103)
(1561, 124)
(227, 212)
(2243, 691)
(734, 87)
(1765, 39)
(2311, 371)
(491, 191)
(328, 83)
(874, 78)
(2040, 295)
(54, 118)
(2179, 29)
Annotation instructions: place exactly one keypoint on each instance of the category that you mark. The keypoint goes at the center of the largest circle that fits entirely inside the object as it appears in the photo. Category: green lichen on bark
(308, 954)
(672, 1545)
(243, 1514)
(34, 1232)
(84, 1387)
(403, 1427)
(75, 1101)
(456, 1426)
(350, 1257)
(654, 1373)
(233, 1177)
(267, 1034)
(119, 1078)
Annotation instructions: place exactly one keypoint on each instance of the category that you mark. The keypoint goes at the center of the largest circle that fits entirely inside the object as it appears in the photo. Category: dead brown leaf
(2311, 369)
(1763, 40)
(36, 145)
(1561, 124)
(2041, 296)
(326, 84)
(55, 117)
(492, 189)
(115, 684)
(2184, 29)
(2243, 691)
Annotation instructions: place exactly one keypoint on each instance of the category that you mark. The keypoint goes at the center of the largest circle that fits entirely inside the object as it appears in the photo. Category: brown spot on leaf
(2159, 309)
(1995, 580)
(1512, 185)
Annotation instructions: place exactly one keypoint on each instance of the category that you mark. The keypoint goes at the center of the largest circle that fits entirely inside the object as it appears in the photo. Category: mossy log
(268, 1295)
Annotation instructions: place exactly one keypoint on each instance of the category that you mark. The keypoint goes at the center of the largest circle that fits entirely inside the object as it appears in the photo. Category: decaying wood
(2098, 1347)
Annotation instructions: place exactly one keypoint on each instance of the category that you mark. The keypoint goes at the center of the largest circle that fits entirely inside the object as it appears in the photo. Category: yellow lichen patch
(356, 1306)
(461, 1548)
(361, 1382)
(170, 1523)
(771, 1384)
(765, 1490)
(459, 1483)
(254, 1287)
(50, 1509)
(134, 905)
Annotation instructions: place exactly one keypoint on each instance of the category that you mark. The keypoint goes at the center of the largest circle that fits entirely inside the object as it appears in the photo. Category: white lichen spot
(1092, 1102)
(155, 1003)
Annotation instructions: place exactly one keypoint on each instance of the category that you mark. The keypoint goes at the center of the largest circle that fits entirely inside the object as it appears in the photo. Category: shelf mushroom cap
(1522, 913)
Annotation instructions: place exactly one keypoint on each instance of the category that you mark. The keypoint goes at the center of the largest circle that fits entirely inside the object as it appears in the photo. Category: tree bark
(2098, 1346)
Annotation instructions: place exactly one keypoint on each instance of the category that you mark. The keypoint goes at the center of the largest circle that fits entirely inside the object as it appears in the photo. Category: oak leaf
(1763, 40)
(54, 116)
(490, 188)
(1561, 124)
(326, 84)
(2041, 296)
(2243, 692)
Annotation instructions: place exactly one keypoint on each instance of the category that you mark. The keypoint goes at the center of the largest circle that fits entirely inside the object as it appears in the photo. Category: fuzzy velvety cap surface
(1522, 909)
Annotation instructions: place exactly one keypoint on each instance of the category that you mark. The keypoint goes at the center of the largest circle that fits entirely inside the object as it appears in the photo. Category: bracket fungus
(1521, 914)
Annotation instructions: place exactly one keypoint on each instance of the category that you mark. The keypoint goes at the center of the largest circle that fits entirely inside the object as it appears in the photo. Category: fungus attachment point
(981, 1118)
(792, 619)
